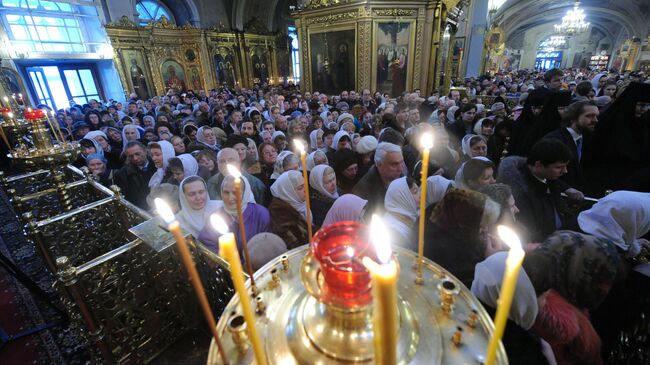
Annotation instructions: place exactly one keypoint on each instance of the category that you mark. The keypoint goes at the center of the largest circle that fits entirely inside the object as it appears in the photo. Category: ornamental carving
(418, 54)
(317, 4)
(256, 26)
(333, 17)
(395, 12)
(164, 23)
(123, 22)
(365, 66)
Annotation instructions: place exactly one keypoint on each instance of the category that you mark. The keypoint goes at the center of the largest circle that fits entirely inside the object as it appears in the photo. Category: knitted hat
(264, 247)
(367, 144)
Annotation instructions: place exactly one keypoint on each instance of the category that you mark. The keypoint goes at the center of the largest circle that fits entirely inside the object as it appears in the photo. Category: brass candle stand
(440, 321)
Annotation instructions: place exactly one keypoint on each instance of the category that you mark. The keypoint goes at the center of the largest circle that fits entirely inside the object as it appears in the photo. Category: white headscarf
(316, 180)
(201, 138)
(167, 153)
(324, 115)
(257, 154)
(193, 221)
(285, 188)
(437, 187)
(450, 114)
(138, 129)
(312, 156)
(488, 275)
(278, 168)
(98, 148)
(313, 139)
(277, 134)
(348, 207)
(400, 202)
(459, 179)
(478, 127)
(467, 142)
(337, 138)
(622, 217)
(190, 166)
(93, 134)
(247, 195)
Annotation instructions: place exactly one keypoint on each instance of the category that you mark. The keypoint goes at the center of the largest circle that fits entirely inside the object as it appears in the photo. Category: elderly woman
(205, 139)
(456, 235)
(316, 141)
(268, 157)
(342, 140)
(252, 161)
(474, 145)
(196, 206)
(88, 147)
(401, 203)
(289, 210)
(131, 132)
(179, 145)
(323, 192)
(256, 217)
(161, 152)
(316, 158)
(348, 207)
(285, 161)
(98, 166)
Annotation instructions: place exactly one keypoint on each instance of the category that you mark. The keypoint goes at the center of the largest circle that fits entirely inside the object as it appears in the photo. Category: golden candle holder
(301, 325)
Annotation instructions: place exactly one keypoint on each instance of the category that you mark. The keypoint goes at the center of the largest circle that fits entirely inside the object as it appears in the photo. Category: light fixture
(557, 41)
(573, 22)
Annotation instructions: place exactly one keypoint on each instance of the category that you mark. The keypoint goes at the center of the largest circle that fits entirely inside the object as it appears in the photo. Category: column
(476, 39)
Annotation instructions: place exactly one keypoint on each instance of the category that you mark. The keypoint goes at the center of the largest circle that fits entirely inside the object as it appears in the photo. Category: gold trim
(411, 52)
(327, 29)
(331, 18)
(394, 12)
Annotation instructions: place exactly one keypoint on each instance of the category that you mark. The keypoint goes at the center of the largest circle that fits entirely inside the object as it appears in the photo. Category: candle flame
(232, 170)
(20, 95)
(5, 98)
(218, 224)
(509, 237)
(350, 251)
(427, 141)
(380, 239)
(299, 145)
(164, 210)
(10, 115)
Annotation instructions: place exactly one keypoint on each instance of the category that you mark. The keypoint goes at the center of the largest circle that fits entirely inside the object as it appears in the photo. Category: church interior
(325, 182)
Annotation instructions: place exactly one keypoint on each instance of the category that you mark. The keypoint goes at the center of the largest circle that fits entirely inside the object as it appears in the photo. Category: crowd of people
(527, 159)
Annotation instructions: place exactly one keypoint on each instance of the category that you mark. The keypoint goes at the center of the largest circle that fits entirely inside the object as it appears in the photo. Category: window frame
(294, 53)
(169, 13)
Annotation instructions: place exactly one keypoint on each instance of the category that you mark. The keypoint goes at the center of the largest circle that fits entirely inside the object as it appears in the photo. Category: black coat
(575, 175)
(320, 205)
(538, 202)
(371, 188)
(134, 183)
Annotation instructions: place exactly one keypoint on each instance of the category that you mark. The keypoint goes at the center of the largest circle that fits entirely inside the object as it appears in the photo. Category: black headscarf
(343, 159)
(523, 125)
(549, 119)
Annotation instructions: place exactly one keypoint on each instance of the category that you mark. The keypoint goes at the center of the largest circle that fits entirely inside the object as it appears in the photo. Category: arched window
(295, 54)
(152, 10)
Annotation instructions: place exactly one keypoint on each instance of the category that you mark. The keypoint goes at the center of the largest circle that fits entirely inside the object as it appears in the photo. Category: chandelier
(557, 41)
(573, 22)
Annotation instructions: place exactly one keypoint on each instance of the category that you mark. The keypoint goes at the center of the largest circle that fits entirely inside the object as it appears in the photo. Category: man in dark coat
(389, 165)
(536, 186)
(581, 118)
(133, 178)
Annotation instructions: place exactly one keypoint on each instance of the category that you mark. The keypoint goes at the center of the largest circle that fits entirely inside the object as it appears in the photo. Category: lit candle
(508, 285)
(6, 99)
(58, 128)
(427, 143)
(49, 121)
(384, 295)
(228, 250)
(242, 229)
(303, 158)
(174, 227)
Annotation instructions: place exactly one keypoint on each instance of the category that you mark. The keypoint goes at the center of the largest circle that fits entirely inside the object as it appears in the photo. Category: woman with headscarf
(341, 141)
(484, 127)
(323, 192)
(111, 154)
(289, 210)
(88, 147)
(598, 82)
(474, 145)
(285, 161)
(252, 162)
(205, 139)
(401, 203)
(196, 206)
(475, 173)
(522, 346)
(530, 116)
(98, 166)
(131, 132)
(161, 152)
(316, 140)
(180, 168)
(347, 170)
(256, 217)
(115, 138)
(348, 207)
(316, 158)
(571, 273)
(623, 217)
(465, 117)
(456, 236)
(268, 157)
(189, 133)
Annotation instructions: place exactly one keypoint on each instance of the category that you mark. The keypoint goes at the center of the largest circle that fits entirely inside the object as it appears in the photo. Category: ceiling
(613, 18)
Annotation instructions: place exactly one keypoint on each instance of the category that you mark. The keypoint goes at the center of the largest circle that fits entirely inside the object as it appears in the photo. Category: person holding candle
(522, 345)
(288, 209)
(456, 236)
(256, 217)
(323, 192)
(196, 207)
